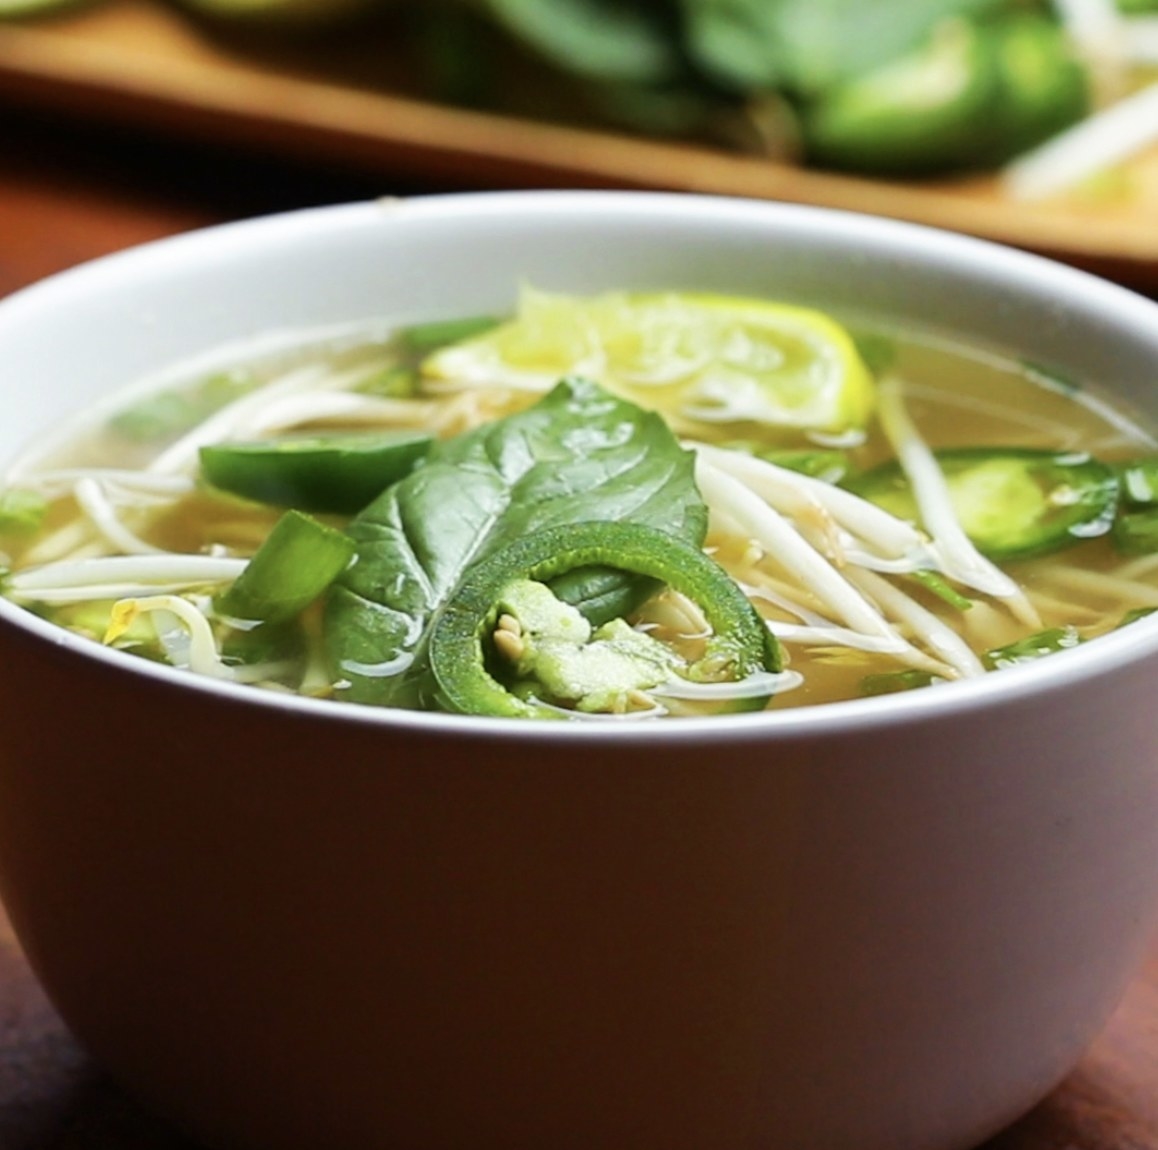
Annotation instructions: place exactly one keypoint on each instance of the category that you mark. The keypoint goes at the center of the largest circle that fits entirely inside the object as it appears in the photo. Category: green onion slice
(297, 561)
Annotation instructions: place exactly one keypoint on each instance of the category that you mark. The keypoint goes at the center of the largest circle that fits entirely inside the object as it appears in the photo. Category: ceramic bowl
(887, 924)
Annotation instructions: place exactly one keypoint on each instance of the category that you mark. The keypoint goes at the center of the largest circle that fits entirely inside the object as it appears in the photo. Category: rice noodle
(94, 502)
(75, 540)
(1143, 565)
(780, 595)
(244, 416)
(750, 687)
(203, 656)
(1129, 591)
(345, 407)
(953, 650)
(141, 573)
(790, 492)
(812, 628)
(1063, 608)
(99, 528)
(831, 636)
(59, 481)
(1054, 434)
(840, 594)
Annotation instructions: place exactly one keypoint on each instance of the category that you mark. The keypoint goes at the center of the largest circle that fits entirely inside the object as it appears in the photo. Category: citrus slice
(712, 358)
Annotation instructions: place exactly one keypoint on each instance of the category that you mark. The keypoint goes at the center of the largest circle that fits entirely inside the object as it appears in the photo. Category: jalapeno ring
(741, 640)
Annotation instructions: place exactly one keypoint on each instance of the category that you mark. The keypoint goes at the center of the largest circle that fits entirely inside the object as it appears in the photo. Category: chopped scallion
(299, 559)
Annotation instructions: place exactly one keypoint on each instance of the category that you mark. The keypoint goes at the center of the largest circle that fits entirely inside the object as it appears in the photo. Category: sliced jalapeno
(340, 473)
(1043, 83)
(1013, 503)
(925, 111)
(741, 644)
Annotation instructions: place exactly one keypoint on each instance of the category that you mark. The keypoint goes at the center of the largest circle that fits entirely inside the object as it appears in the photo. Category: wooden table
(68, 194)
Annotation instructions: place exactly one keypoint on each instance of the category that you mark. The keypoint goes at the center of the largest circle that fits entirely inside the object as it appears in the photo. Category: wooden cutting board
(146, 63)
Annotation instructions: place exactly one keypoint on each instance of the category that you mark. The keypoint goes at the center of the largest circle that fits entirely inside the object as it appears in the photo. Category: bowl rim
(1094, 297)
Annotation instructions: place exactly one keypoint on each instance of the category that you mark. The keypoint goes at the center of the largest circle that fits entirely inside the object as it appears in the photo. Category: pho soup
(616, 508)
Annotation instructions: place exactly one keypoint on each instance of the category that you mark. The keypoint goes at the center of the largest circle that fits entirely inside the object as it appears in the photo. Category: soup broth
(894, 510)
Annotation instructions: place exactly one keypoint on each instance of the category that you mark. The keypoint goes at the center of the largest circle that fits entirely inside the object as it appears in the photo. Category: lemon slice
(713, 358)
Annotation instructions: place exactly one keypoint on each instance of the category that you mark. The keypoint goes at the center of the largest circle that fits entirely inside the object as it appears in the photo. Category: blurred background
(1033, 122)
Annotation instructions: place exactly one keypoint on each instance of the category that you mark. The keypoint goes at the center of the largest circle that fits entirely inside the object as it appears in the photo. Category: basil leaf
(737, 43)
(601, 39)
(578, 454)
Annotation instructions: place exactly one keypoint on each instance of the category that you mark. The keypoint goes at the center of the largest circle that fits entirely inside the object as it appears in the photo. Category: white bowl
(888, 924)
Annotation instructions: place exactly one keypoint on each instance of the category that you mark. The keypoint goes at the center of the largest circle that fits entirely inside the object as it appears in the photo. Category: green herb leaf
(578, 455)
(935, 582)
(169, 413)
(1032, 647)
(738, 43)
(601, 39)
(22, 511)
(893, 682)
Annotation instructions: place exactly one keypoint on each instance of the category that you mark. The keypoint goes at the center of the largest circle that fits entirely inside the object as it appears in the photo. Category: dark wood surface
(68, 194)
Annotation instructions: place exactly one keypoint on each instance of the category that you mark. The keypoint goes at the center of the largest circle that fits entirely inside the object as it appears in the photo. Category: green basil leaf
(579, 454)
(737, 43)
(600, 39)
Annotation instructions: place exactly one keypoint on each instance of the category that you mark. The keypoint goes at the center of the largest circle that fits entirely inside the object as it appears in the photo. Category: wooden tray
(143, 62)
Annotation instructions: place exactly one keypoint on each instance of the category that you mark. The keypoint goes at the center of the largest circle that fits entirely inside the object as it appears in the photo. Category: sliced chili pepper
(1012, 502)
(341, 472)
(1044, 87)
(740, 646)
(923, 112)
